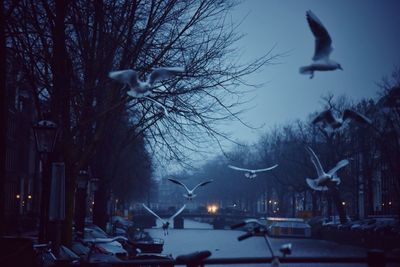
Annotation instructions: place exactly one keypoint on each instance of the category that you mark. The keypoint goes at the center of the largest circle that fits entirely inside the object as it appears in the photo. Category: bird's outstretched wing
(338, 166)
(239, 169)
(152, 212)
(125, 76)
(266, 169)
(322, 39)
(315, 161)
(202, 184)
(159, 74)
(178, 212)
(179, 183)
(351, 114)
(325, 116)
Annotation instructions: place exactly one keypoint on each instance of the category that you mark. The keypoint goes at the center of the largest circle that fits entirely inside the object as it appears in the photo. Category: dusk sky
(366, 39)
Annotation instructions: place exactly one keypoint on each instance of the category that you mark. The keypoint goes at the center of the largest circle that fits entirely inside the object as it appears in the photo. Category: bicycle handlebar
(245, 236)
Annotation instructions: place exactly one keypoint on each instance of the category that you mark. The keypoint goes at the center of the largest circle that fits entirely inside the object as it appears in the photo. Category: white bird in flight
(323, 48)
(140, 88)
(324, 179)
(331, 123)
(143, 89)
(165, 223)
(249, 173)
(190, 193)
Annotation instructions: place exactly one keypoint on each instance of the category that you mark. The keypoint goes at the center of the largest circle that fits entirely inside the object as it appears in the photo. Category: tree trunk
(369, 191)
(61, 110)
(3, 119)
(100, 217)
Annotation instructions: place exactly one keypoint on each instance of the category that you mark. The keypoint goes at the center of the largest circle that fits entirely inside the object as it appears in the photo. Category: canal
(224, 244)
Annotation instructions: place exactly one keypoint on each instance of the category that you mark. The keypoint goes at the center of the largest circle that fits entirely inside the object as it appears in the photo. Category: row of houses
(22, 172)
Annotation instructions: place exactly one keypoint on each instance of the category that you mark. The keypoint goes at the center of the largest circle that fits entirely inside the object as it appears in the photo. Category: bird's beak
(340, 67)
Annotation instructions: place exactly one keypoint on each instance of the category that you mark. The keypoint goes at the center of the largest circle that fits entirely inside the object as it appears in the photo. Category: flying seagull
(323, 48)
(324, 179)
(330, 122)
(165, 223)
(140, 88)
(143, 89)
(190, 193)
(252, 173)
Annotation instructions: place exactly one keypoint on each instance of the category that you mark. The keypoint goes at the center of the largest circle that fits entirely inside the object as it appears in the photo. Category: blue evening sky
(366, 40)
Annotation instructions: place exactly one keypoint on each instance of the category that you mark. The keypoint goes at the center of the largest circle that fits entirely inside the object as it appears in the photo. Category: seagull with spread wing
(324, 179)
(331, 123)
(323, 48)
(165, 223)
(249, 173)
(143, 89)
(190, 193)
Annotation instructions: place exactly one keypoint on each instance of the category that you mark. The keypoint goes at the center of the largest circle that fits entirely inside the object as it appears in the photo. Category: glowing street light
(212, 208)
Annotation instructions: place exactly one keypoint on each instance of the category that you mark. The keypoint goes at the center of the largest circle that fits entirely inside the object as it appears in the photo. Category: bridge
(219, 221)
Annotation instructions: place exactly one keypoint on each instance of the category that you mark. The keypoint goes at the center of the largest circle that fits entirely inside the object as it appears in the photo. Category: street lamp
(45, 133)
(45, 136)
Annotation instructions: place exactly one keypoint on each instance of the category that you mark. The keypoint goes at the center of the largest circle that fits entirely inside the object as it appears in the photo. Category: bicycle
(260, 229)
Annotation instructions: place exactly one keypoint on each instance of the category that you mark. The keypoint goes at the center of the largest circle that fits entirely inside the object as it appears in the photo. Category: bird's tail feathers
(189, 197)
(312, 183)
(305, 70)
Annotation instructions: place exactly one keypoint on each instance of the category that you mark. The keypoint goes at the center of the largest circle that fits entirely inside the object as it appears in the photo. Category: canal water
(224, 244)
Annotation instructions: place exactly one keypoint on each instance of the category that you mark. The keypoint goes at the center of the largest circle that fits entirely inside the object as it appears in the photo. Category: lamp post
(45, 136)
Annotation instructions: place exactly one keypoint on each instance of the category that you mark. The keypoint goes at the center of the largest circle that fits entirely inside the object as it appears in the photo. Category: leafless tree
(67, 48)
